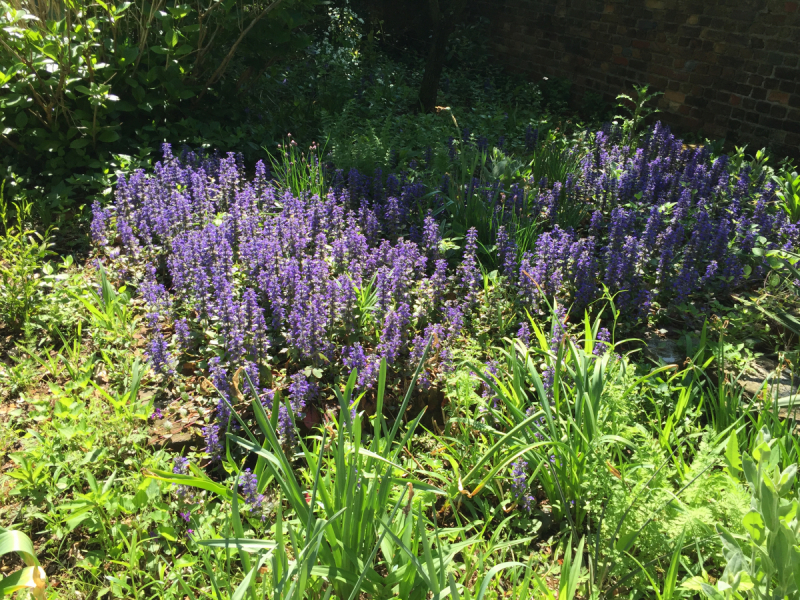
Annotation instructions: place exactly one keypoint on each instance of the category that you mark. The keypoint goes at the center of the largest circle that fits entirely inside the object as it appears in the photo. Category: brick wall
(728, 68)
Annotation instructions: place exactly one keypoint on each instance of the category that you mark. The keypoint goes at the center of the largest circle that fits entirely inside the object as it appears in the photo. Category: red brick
(674, 96)
(726, 67)
(778, 111)
(776, 96)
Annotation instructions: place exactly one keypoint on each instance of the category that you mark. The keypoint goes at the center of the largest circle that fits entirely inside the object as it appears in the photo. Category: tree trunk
(444, 14)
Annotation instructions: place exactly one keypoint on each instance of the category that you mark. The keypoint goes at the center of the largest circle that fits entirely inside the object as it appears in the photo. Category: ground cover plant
(420, 359)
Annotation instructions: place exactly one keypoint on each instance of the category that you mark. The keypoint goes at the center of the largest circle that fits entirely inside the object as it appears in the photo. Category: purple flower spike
(519, 485)
(603, 339)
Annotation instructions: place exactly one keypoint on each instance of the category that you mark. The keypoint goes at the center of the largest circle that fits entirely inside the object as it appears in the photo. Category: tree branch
(16, 147)
(224, 64)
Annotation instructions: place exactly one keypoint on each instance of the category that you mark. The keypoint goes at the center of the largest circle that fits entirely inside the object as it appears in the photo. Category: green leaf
(245, 544)
(203, 483)
(671, 578)
(796, 565)
(178, 12)
(13, 99)
(246, 583)
(787, 480)
(108, 136)
(769, 506)
(754, 525)
(732, 457)
(750, 470)
(16, 541)
(711, 592)
(30, 578)
(728, 541)
(168, 533)
(487, 579)
(21, 119)
(567, 589)
(781, 555)
(79, 512)
(127, 54)
(774, 262)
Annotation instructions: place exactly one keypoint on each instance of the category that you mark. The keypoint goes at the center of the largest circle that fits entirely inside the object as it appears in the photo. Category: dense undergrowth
(367, 354)
(419, 359)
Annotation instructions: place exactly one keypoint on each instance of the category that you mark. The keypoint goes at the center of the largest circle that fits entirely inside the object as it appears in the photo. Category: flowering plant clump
(250, 276)
(255, 271)
(668, 222)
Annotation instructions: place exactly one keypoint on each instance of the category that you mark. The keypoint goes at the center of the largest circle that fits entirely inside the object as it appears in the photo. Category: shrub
(79, 82)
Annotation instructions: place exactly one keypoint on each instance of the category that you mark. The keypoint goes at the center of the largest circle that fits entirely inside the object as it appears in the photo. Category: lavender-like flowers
(603, 339)
(519, 485)
(351, 278)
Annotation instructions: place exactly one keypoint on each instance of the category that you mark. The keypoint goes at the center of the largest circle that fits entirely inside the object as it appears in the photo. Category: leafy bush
(767, 563)
(565, 417)
(368, 508)
(82, 82)
(27, 277)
